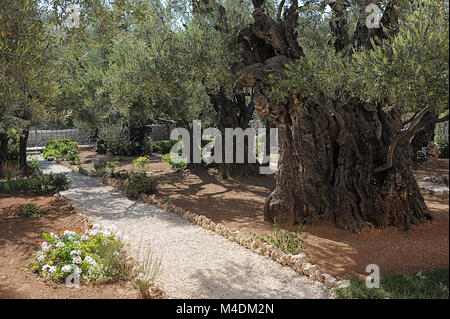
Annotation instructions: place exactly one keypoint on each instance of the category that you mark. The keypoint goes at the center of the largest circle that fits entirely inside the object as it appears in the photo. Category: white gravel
(196, 263)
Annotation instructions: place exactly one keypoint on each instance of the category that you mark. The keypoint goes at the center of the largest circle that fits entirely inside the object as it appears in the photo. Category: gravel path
(196, 263)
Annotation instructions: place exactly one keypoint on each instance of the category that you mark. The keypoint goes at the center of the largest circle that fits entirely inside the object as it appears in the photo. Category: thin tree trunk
(3, 147)
(23, 139)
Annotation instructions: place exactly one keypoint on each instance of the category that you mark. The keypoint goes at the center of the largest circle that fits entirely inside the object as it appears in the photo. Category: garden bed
(18, 236)
(238, 204)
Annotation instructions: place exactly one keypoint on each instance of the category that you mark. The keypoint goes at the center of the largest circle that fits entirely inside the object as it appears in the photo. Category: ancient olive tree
(26, 77)
(334, 85)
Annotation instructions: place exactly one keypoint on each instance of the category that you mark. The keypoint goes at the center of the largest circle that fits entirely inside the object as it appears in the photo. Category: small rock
(299, 258)
(329, 280)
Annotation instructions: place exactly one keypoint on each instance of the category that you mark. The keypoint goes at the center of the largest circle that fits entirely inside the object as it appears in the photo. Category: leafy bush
(426, 285)
(173, 163)
(38, 184)
(13, 146)
(31, 211)
(48, 183)
(441, 139)
(63, 149)
(100, 165)
(164, 147)
(139, 183)
(288, 241)
(147, 149)
(141, 162)
(116, 138)
(96, 255)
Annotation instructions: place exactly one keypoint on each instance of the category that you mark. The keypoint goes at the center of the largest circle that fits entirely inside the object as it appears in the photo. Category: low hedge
(37, 184)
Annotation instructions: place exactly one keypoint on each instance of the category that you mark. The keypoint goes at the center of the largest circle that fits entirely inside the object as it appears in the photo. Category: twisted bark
(340, 163)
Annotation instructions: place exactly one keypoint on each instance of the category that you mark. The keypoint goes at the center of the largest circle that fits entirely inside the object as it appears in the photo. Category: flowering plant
(95, 255)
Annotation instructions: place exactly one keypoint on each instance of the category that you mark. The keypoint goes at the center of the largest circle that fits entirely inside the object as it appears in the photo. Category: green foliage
(48, 183)
(174, 164)
(288, 241)
(97, 255)
(410, 68)
(13, 146)
(116, 138)
(62, 149)
(34, 164)
(441, 138)
(26, 52)
(139, 183)
(164, 147)
(100, 165)
(141, 162)
(31, 211)
(421, 285)
(38, 184)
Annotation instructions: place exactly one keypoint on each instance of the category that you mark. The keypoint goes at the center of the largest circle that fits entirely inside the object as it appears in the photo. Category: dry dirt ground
(18, 237)
(239, 202)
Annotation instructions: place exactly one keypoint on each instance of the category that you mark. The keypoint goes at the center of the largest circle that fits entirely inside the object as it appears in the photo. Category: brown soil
(238, 203)
(88, 157)
(18, 237)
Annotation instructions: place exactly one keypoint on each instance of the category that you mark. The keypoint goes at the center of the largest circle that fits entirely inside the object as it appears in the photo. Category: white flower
(78, 270)
(76, 242)
(69, 233)
(40, 258)
(119, 235)
(96, 226)
(126, 239)
(116, 253)
(93, 232)
(113, 228)
(75, 252)
(45, 246)
(76, 260)
(60, 244)
(90, 260)
(45, 267)
(84, 237)
(52, 235)
(66, 268)
(106, 233)
(52, 269)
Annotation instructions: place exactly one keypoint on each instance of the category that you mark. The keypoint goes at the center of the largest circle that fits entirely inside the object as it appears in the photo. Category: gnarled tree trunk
(340, 163)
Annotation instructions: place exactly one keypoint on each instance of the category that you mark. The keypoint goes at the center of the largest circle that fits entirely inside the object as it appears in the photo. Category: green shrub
(48, 183)
(62, 149)
(139, 183)
(100, 165)
(141, 162)
(13, 146)
(31, 211)
(116, 138)
(97, 255)
(426, 285)
(441, 138)
(164, 147)
(289, 242)
(173, 163)
(147, 149)
(38, 184)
